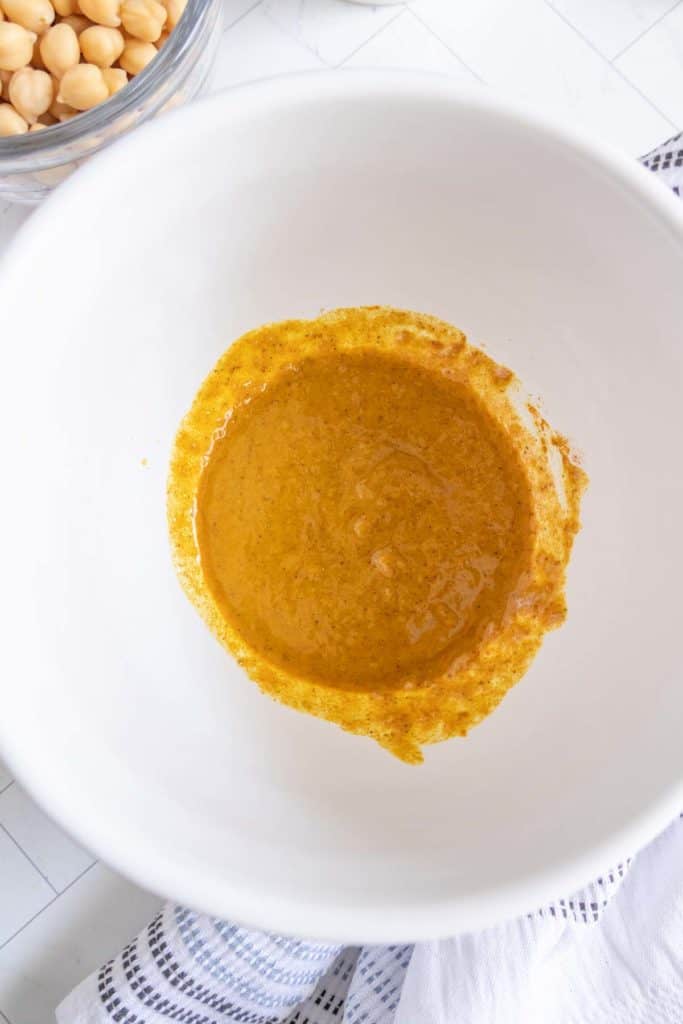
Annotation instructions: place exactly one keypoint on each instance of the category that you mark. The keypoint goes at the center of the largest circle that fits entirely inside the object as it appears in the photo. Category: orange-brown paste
(370, 521)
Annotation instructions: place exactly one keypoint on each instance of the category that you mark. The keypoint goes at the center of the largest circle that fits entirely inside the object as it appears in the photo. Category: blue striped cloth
(193, 969)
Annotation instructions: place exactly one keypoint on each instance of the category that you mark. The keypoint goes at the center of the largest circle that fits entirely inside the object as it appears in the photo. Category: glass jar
(31, 165)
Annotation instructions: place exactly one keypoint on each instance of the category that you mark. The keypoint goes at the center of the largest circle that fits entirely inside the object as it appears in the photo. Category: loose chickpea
(59, 49)
(30, 93)
(174, 9)
(136, 56)
(143, 19)
(82, 87)
(102, 12)
(2, 16)
(35, 15)
(65, 7)
(101, 46)
(37, 127)
(47, 119)
(78, 22)
(16, 46)
(11, 123)
(115, 79)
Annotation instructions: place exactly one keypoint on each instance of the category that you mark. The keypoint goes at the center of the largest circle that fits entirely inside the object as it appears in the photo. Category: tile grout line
(311, 48)
(48, 904)
(240, 17)
(4, 1018)
(29, 859)
(6, 787)
(443, 42)
(292, 34)
(375, 34)
(645, 31)
(609, 64)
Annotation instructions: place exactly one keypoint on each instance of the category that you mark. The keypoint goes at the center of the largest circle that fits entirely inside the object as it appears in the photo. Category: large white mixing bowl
(119, 710)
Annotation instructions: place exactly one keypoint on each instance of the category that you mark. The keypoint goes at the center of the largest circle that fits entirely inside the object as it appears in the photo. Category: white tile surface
(58, 858)
(88, 924)
(612, 25)
(24, 891)
(255, 48)
(524, 48)
(655, 64)
(331, 29)
(407, 43)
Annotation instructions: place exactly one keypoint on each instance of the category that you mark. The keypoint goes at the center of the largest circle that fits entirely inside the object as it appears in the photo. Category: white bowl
(121, 713)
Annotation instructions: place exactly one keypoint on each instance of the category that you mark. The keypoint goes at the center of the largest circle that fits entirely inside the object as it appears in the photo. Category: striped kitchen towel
(611, 953)
(666, 161)
(567, 963)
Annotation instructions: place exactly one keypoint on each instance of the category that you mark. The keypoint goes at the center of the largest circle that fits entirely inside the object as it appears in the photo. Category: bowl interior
(120, 711)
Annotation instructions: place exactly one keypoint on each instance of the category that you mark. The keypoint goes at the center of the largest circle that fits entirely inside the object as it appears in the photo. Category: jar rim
(20, 151)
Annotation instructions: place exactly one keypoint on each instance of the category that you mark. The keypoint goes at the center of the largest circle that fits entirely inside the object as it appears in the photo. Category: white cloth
(612, 954)
(625, 969)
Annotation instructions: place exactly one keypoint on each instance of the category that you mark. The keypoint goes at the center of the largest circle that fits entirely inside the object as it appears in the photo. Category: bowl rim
(141, 861)
(19, 153)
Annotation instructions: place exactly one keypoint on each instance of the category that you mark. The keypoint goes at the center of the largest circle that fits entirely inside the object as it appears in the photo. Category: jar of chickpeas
(76, 74)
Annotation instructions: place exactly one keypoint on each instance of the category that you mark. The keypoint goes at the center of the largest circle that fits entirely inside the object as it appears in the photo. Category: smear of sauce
(367, 519)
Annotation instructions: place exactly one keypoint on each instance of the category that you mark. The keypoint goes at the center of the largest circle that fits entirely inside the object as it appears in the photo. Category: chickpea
(11, 123)
(30, 93)
(35, 15)
(101, 46)
(16, 46)
(78, 22)
(36, 59)
(102, 12)
(136, 56)
(115, 79)
(57, 110)
(174, 9)
(143, 19)
(82, 87)
(61, 57)
(59, 49)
